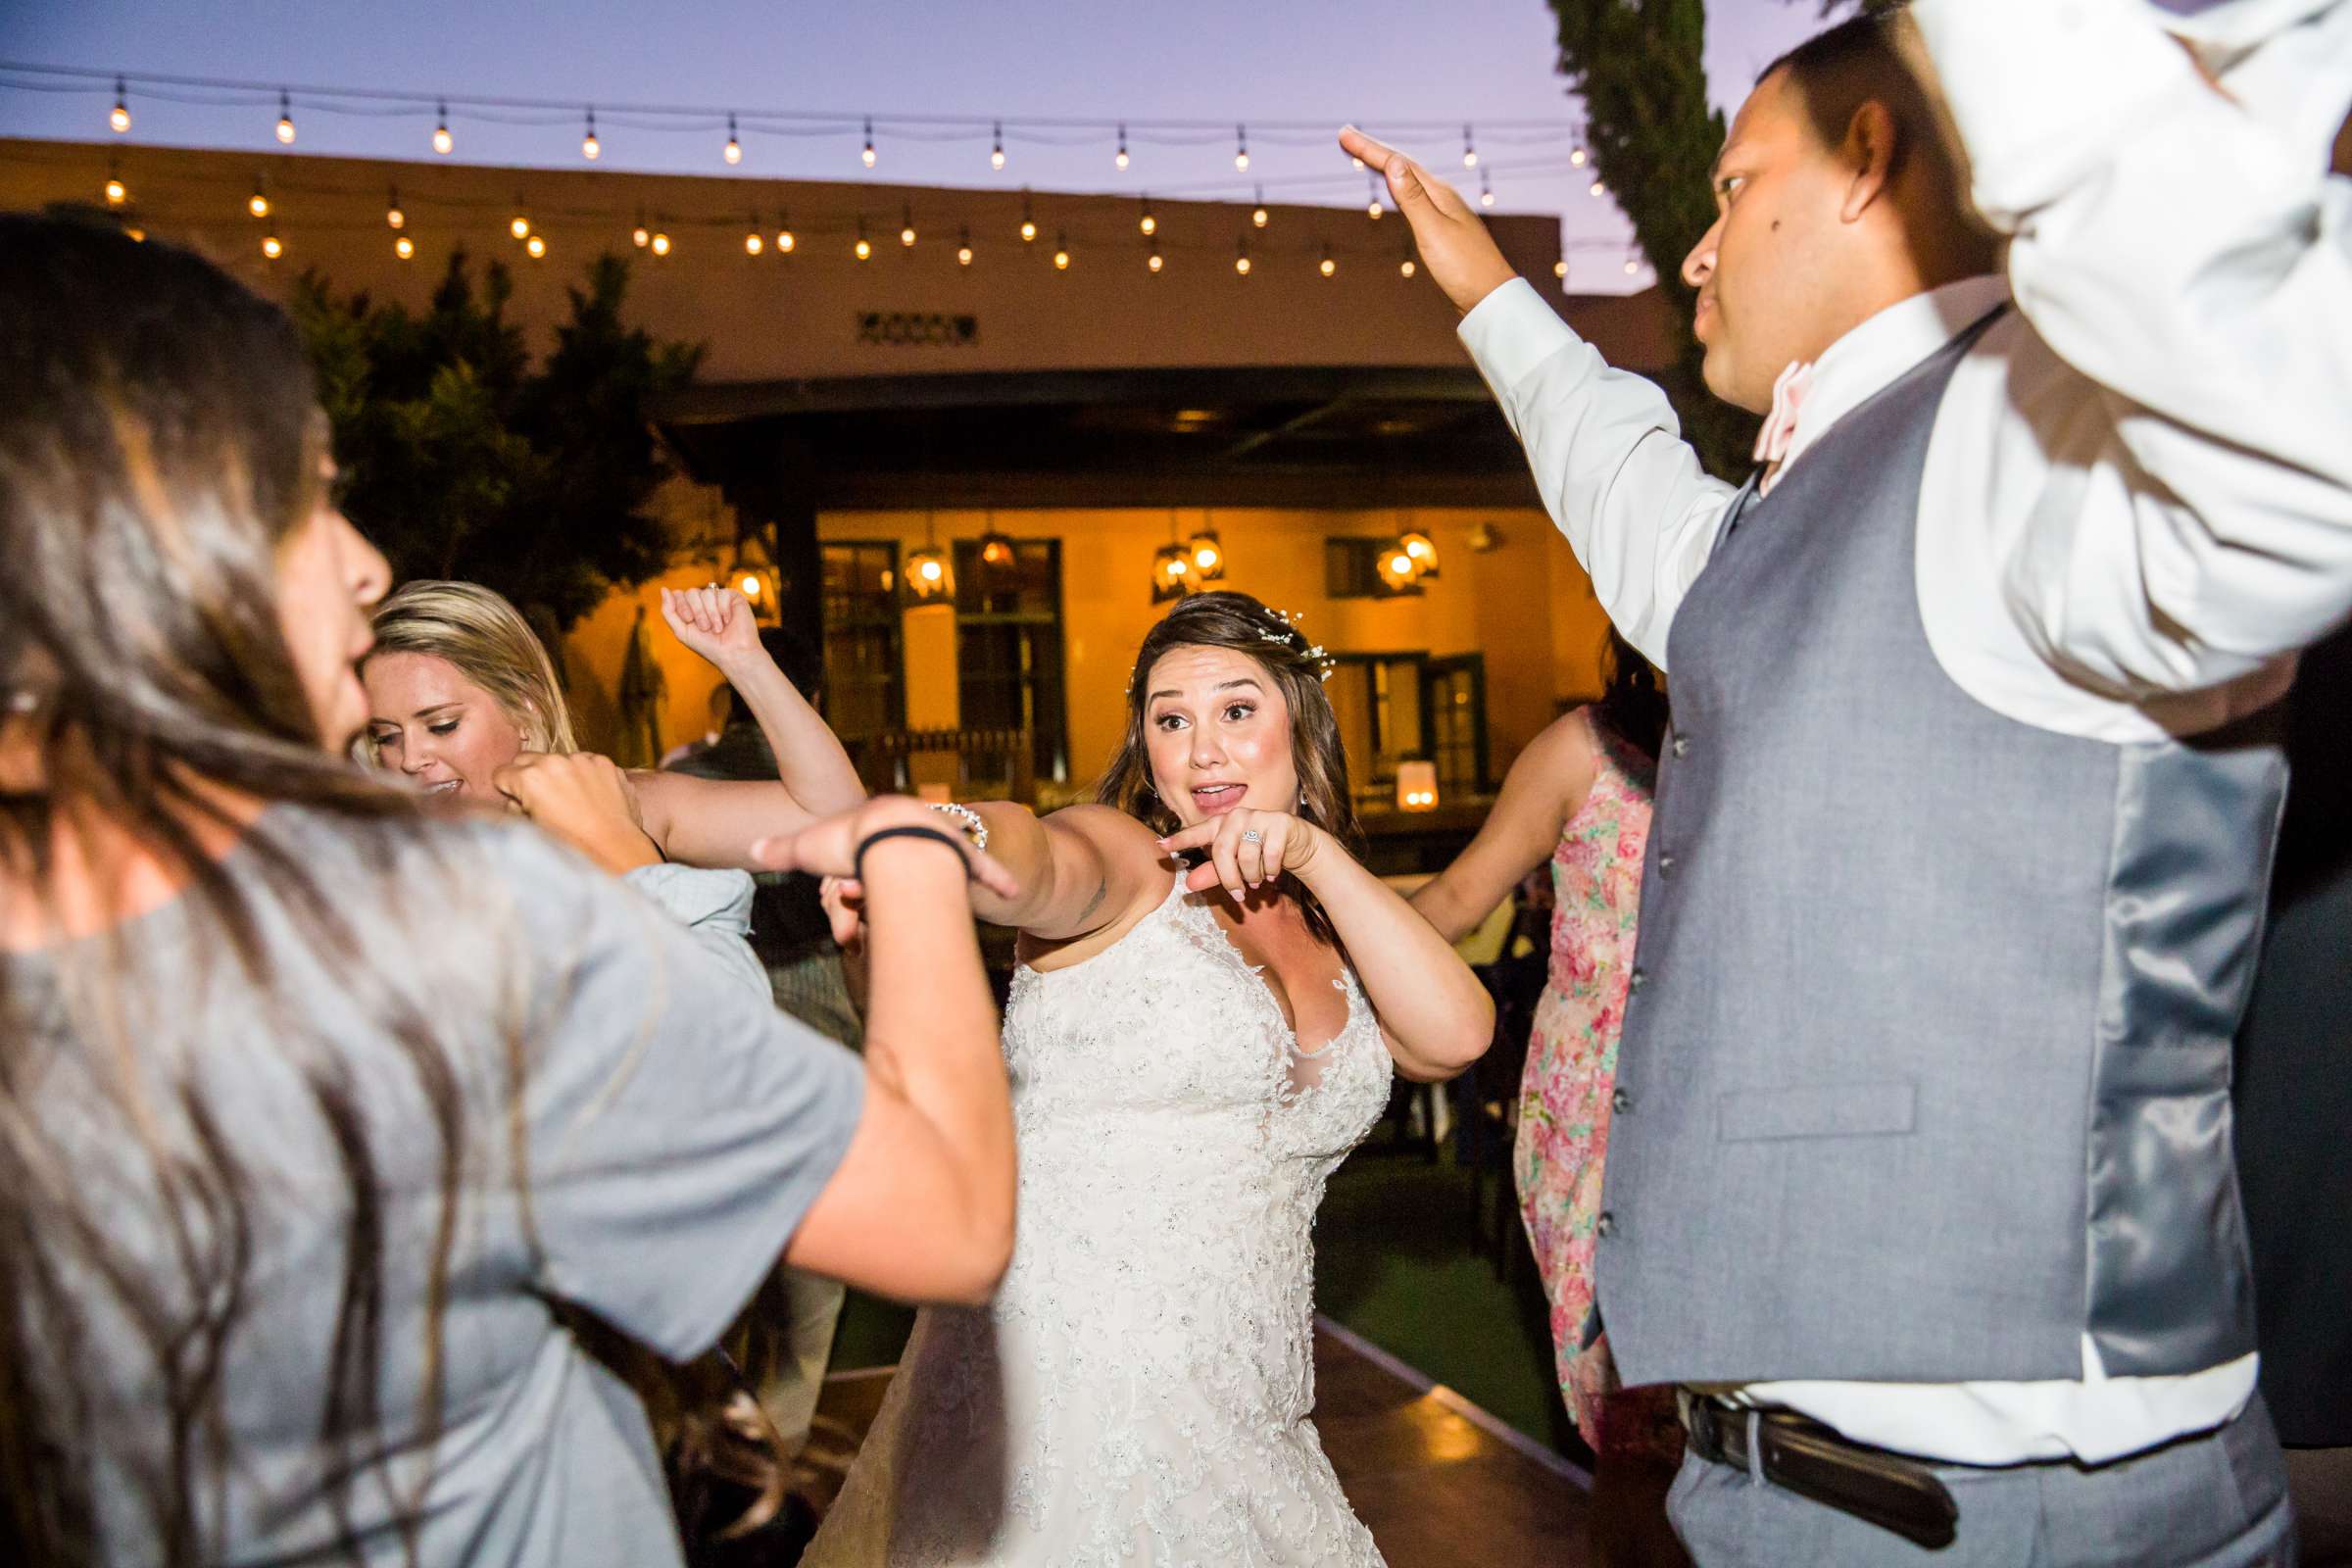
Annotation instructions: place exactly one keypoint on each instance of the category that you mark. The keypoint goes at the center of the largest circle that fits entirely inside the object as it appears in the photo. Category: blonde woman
(461, 697)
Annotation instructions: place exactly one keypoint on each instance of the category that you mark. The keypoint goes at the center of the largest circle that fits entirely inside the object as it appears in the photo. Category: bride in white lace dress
(1191, 1054)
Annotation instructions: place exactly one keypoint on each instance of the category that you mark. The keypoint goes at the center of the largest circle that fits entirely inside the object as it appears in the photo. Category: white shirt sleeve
(1609, 458)
(2194, 266)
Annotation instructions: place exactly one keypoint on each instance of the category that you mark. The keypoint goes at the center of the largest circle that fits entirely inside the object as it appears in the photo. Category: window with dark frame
(1398, 707)
(865, 656)
(1009, 649)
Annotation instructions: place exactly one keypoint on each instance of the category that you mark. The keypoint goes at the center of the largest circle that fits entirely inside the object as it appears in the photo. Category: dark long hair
(1633, 705)
(159, 442)
(1295, 666)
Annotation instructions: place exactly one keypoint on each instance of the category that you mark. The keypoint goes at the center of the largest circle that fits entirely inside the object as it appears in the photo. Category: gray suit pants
(2215, 1501)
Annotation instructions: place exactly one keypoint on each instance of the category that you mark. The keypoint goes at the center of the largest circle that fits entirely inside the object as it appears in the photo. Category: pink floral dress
(1571, 1072)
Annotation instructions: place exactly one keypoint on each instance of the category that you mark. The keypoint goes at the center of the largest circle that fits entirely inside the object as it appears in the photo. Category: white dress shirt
(2137, 498)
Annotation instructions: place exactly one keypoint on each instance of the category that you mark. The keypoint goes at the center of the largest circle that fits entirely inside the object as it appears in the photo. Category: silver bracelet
(971, 821)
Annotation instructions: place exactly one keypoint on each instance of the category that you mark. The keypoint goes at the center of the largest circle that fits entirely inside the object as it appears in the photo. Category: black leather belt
(1801, 1456)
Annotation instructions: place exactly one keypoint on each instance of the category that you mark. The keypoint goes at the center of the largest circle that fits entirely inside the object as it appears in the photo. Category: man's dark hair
(1835, 71)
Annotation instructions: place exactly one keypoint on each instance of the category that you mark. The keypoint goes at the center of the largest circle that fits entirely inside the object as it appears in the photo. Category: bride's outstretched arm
(1081, 869)
(1437, 1018)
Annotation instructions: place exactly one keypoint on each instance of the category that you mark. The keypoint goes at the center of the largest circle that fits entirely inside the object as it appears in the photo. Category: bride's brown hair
(1241, 623)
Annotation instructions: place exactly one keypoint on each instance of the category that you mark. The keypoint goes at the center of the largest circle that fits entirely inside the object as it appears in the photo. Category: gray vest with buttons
(1926, 1067)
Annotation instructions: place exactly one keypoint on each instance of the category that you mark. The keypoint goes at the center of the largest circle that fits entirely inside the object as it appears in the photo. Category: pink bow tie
(1780, 425)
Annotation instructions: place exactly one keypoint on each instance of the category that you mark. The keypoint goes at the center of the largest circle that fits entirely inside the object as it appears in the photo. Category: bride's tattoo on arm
(1102, 891)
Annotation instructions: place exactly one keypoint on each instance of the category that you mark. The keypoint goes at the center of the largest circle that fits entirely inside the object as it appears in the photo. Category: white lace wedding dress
(1138, 1393)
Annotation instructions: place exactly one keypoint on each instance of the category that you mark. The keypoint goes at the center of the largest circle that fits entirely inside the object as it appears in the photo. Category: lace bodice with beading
(1138, 1389)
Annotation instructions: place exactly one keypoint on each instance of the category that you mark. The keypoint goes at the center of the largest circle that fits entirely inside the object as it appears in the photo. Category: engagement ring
(1253, 836)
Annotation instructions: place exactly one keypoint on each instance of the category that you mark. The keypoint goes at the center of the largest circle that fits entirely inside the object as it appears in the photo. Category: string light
(1149, 225)
(404, 247)
(996, 152)
(784, 239)
(638, 235)
(661, 245)
(864, 250)
(963, 245)
(1327, 265)
(1373, 205)
(1257, 214)
(1119, 158)
(537, 246)
(1153, 261)
(442, 142)
(1469, 150)
(257, 204)
(120, 117)
(116, 193)
(1486, 192)
(272, 248)
(870, 144)
(1579, 156)
(753, 244)
(520, 226)
(733, 151)
(394, 217)
(1241, 147)
(1028, 219)
(1061, 252)
(138, 236)
(906, 225)
(589, 145)
(285, 118)
(1241, 258)
(1559, 268)
(1599, 189)
(1633, 262)
(1406, 268)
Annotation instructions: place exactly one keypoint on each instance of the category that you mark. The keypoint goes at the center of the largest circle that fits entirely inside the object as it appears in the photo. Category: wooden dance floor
(1439, 1480)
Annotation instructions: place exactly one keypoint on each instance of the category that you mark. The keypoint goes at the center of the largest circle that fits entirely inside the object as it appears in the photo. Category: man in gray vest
(1920, 1179)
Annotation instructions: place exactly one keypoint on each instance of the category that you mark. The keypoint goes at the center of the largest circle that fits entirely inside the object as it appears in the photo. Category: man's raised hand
(1459, 253)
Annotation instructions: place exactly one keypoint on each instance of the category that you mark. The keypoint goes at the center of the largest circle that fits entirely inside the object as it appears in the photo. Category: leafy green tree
(463, 459)
(1653, 136)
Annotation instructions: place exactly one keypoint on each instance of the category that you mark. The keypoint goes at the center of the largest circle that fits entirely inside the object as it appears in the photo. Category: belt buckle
(1698, 1413)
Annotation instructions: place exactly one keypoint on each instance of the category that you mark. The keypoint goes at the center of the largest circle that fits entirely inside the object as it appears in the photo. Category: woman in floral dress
(1579, 798)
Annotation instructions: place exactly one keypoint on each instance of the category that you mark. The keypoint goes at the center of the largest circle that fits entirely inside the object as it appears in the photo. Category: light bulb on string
(1469, 149)
(520, 226)
(753, 242)
(1240, 256)
(272, 248)
(1153, 261)
(442, 140)
(285, 118)
(963, 245)
(257, 204)
(995, 152)
(1559, 269)
(1373, 205)
(868, 154)
(864, 250)
(1599, 189)
(906, 225)
(733, 151)
(784, 240)
(120, 119)
(1257, 214)
(116, 193)
(640, 236)
(1241, 147)
(661, 245)
(1578, 157)
(1633, 262)
(1406, 268)
(1061, 252)
(1327, 266)
(589, 145)
(1148, 224)
(1028, 219)
(1119, 158)
(404, 247)
(537, 246)
(1486, 191)
(394, 217)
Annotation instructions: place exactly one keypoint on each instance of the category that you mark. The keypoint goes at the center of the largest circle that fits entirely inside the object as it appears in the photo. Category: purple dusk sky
(1215, 59)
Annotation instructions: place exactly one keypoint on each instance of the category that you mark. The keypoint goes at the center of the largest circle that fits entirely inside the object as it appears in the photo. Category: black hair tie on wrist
(857, 861)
